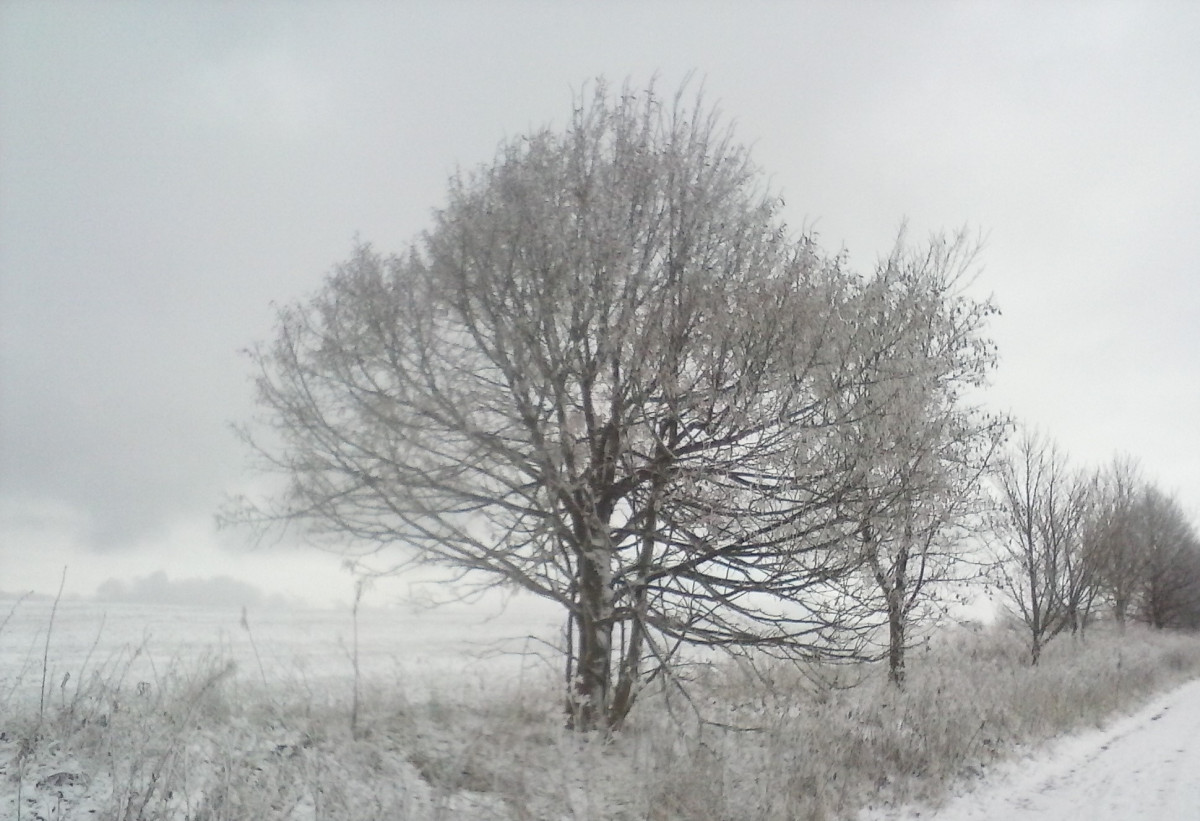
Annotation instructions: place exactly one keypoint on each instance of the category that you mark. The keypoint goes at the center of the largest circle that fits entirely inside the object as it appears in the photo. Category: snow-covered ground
(145, 696)
(402, 643)
(1142, 767)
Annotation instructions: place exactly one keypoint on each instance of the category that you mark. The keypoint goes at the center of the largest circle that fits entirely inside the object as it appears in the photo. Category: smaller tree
(1170, 589)
(1114, 555)
(919, 443)
(1083, 566)
(1041, 511)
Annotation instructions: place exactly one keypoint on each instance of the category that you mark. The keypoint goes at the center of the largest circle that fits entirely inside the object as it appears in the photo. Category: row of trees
(1076, 543)
(610, 376)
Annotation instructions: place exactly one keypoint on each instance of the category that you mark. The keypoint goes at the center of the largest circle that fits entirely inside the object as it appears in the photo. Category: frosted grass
(171, 719)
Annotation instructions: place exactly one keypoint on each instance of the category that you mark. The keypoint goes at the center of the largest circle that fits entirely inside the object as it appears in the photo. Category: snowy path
(1145, 767)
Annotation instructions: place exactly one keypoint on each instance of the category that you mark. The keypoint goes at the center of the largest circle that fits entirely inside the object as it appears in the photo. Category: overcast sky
(167, 170)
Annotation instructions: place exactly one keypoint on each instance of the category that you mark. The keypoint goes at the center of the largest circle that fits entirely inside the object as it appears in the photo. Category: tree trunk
(630, 670)
(893, 583)
(625, 691)
(589, 699)
(896, 637)
(1120, 606)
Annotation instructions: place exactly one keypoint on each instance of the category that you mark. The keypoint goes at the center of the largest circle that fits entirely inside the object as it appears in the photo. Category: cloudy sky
(167, 170)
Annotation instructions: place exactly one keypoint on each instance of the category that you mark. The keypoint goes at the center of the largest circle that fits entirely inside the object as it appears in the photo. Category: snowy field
(162, 713)
(417, 646)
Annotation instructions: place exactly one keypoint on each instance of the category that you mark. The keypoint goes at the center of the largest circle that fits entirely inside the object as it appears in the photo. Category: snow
(280, 721)
(412, 644)
(1142, 766)
(98, 652)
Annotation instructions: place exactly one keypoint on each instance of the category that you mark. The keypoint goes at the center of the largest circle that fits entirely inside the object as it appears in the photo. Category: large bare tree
(606, 375)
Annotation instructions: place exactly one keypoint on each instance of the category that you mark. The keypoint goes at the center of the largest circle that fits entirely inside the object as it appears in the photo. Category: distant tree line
(1075, 545)
(158, 588)
(610, 375)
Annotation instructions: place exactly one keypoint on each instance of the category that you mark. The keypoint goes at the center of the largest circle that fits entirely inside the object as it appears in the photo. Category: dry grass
(202, 742)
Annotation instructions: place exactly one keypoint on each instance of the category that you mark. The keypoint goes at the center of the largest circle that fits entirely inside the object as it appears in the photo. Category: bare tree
(1114, 551)
(1041, 512)
(607, 375)
(1144, 550)
(1170, 589)
(921, 439)
(1083, 566)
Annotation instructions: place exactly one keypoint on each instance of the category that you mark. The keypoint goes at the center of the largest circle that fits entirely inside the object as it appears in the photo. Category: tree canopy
(608, 374)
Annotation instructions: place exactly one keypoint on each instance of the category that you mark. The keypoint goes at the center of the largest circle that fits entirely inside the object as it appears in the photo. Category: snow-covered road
(1144, 767)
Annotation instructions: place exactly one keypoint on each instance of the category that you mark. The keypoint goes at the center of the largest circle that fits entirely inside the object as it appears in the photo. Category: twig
(246, 626)
(359, 587)
(46, 652)
(16, 604)
(86, 660)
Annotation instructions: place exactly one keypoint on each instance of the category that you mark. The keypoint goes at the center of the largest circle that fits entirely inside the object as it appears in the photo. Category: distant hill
(158, 588)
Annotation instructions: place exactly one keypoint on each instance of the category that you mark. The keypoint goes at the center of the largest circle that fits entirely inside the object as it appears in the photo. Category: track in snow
(1144, 767)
